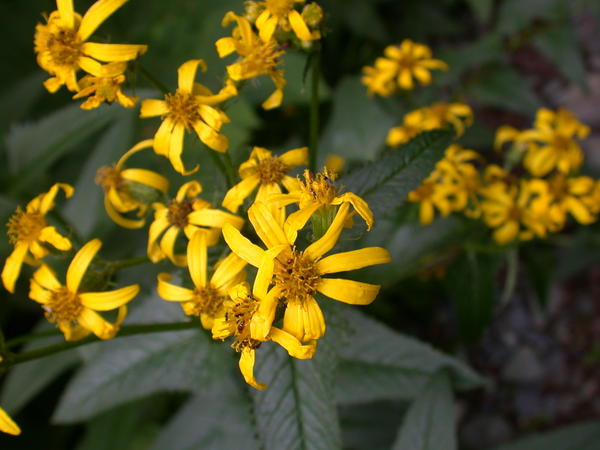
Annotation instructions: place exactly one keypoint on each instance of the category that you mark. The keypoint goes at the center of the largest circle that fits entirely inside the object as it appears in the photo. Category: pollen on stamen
(25, 226)
(183, 109)
(207, 300)
(297, 275)
(240, 314)
(271, 170)
(178, 212)
(63, 306)
(108, 177)
(319, 187)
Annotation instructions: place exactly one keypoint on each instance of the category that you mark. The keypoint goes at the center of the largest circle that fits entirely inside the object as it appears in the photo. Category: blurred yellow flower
(104, 85)
(7, 425)
(62, 48)
(573, 195)
(119, 184)
(29, 232)
(189, 108)
(274, 15)
(434, 193)
(73, 311)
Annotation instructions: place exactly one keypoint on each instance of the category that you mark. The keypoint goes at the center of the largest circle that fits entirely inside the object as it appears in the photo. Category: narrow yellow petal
(298, 219)
(120, 220)
(265, 271)
(299, 26)
(331, 236)
(176, 149)
(225, 46)
(188, 190)
(210, 137)
(227, 271)
(46, 278)
(355, 259)
(238, 193)
(167, 245)
(53, 237)
(187, 73)
(38, 293)
(242, 246)
(90, 66)
(293, 346)
(348, 291)
(197, 258)
(73, 332)
(80, 263)
(171, 292)
(295, 157)
(47, 200)
(147, 177)
(12, 266)
(360, 206)
(214, 218)
(267, 27)
(96, 15)
(113, 52)
(94, 322)
(262, 320)
(105, 301)
(246, 365)
(7, 425)
(265, 225)
(304, 319)
(65, 8)
(153, 107)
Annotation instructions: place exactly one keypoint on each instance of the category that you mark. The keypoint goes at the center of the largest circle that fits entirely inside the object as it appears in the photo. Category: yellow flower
(457, 167)
(258, 56)
(281, 15)
(267, 172)
(334, 163)
(7, 425)
(574, 195)
(516, 211)
(434, 193)
(188, 214)
(62, 48)
(319, 192)
(207, 297)
(190, 107)
(120, 186)
(74, 312)
(29, 232)
(235, 320)
(104, 85)
(413, 123)
(401, 64)
(299, 274)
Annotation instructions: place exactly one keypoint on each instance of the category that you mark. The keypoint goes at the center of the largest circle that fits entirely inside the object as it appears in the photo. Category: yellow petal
(188, 190)
(46, 278)
(227, 271)
(113, 52)
(94, 322)
(295, 157)
(120, 220)
(105, 301)
(298, 219)
(265, 225)
(266, 27)
(506, 232)
(147, 177)
(360, 206)
(12, 266)
(210, 137)
(53, 237)
(355, 259)
(162, 138)
(291, 184)
(65, 8)
(7, 425)
(238, 193)
(80, 263)
(265, 271)
(293, 346)
(197, 258)
(90, 66)
(274, 100)
(304, 319)
(167, 245)
(176, 149)
(73, 332)
(331, 236)
(405, 79)
(299, 26)
(38, 293)
(47, 200)
(225, 46)
(246, 365)
(348, 291)
(187, 73)
(152, 107)
(171, 292)
(97, 14)
(241, 246)
(262, 319)
(214, 218)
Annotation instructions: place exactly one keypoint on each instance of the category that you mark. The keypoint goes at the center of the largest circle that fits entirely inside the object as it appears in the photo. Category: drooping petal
(355, 259)
(246, 365)
(294, 347)
(152, 107)
(47, 200)
(295, 157)
(172, 292)
(167, 245)
(225, 46)
(210, 137)
(348, 291)
(120, 220)
(105, 301)
(162, 138)
(96, 15)
(80, 263)
(331, 236)
(53, 237)
(299, 26)
(304, 319)
(227, 271)
(147, 177)
(46, 278)
(95, 323)
(176, 149)
(360, 206)
(7, 425)
(266, 226)
(214, 218)
(262, 320)
(12, 266)
(113, 52)
(187, 74)
(197, 258)
(238, 193)
(298, 219)
(242, 246)
(72, 332)
(265, 271)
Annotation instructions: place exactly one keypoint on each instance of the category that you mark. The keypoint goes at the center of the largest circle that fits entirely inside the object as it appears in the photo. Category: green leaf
(429, 422)
(471, 284)
(386, 182)
(362, 18)
(358, 125)
(583, 436)
(500, 86)
(515, 15)
(560, 45)
(378, 363)
(297, 408)
(135, 367)
(482, 9)
(18, 99)
(32, 147)
(219, 418)
(26, 380)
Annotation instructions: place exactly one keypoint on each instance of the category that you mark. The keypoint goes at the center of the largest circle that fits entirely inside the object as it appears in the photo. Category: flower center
(297, 275)
(183, 108)
(25, 226)
(108, 177)
(558, 186)
(271, 170)
(178, 212)
(262, 57)
(425, 190)
(560, 143)
(280, 8)
(514, 213)
(319, 187)
(207, 300)
(63, 44)
(63, 305)
(240, 313)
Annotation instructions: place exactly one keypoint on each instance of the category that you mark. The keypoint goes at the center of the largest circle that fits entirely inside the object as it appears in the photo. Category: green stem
(512, 268)
(230, 169)
(221, 166)
(314, 111)
(160, 86)
(128, 262)
(128, 330)
(31, 337)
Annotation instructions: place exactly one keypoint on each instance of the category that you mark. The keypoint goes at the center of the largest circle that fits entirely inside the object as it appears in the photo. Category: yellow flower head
(281, 15)
(123, 188)
(401, 65)
(297, 275)
(573, 195)
(320, 192)
(235, 320)
(185, 213)
(266, 171)
(207, 297)
(258, 56)
(7, 425)
(73, 311)
(29, 232)
(413, 123)
(434, 193)
(189, 108)
(104, 85)
(62, 48)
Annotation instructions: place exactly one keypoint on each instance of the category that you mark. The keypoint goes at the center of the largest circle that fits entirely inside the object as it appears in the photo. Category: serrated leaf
(135, 367)
(500, 86)
(429, 422)
(560, 45)
(26, 380)
(386, 182)
(385, 356)
(583, 436)
(297, 410)
(219, 419)
(358, 125)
